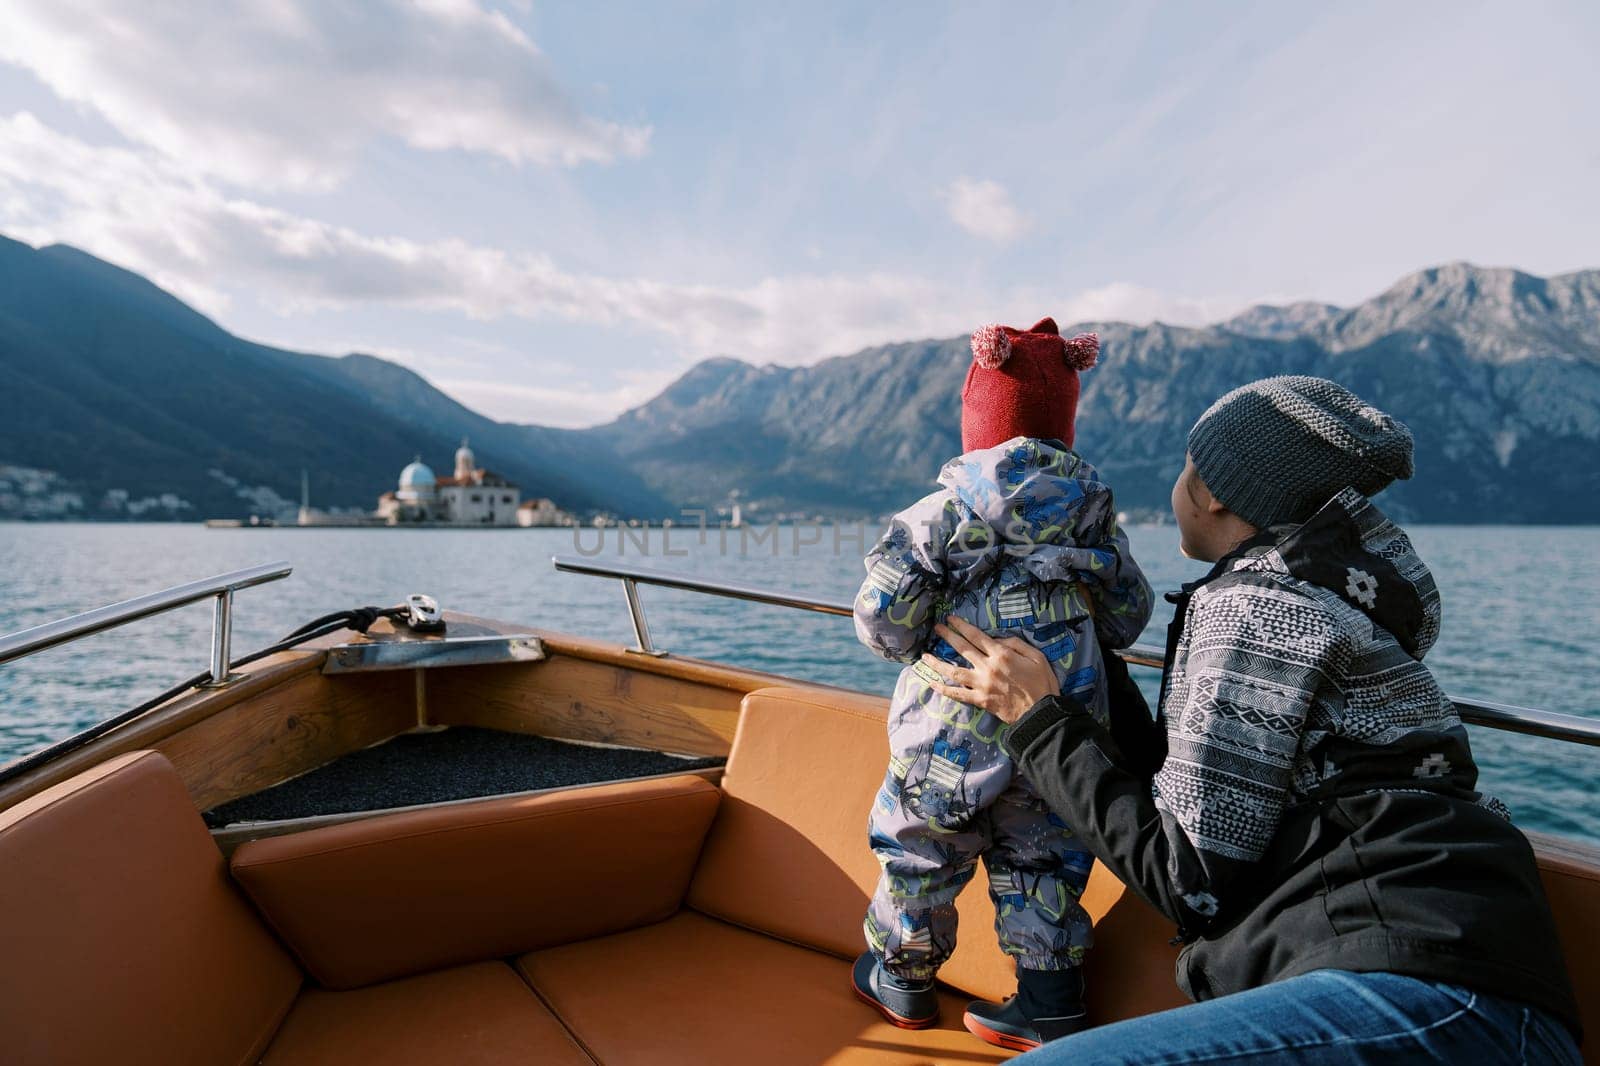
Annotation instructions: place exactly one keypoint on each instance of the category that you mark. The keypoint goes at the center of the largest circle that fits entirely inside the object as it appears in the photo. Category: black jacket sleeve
(1141, 738)
(1076, 767)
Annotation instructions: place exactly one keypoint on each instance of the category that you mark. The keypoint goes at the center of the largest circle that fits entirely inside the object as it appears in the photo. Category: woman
(1342, 891)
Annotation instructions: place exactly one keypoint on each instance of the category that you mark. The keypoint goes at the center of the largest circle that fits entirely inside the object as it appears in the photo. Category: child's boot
(907, 1004)
(1048, 1005)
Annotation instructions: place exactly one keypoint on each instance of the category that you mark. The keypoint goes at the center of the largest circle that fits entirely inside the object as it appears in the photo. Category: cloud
(572, 407)
(984, 209)
(150, 215)
(287, 93)
(1121, 301)
(183, 232)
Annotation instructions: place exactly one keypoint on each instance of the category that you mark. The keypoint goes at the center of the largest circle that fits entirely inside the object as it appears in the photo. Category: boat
(390, 840)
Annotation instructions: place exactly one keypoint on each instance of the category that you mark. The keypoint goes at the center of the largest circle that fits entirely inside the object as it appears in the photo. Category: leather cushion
(693, 990)
(479, 1014)
(123, 939)
(402, 893)
(788, 855)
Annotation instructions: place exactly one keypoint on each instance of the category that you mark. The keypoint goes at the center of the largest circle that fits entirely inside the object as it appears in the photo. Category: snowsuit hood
(1031, 491)
(1024, 513)
(1032, 502)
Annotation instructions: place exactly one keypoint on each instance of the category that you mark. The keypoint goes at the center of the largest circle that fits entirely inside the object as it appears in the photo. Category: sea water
(1521, 615)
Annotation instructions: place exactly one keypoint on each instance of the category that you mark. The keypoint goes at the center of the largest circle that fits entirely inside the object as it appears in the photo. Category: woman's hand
(1007, 677)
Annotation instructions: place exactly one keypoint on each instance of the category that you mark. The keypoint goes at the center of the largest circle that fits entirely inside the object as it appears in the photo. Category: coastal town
(470, 497)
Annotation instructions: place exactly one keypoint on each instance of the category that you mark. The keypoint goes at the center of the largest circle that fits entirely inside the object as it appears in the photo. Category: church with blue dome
(471, 496)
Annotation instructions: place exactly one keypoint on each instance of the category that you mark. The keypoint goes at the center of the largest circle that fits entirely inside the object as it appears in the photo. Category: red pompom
(1082, 351)
(990, 346)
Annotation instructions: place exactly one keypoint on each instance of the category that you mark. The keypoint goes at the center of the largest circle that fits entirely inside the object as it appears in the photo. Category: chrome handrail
(1549, 724)
(629, 575)
(219, 589)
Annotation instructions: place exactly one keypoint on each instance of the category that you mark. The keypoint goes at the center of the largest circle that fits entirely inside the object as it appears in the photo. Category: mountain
(848, 435)
(112, 383)
(1500, 315)
(107, 382)
(1276, 322)
(1497, 372)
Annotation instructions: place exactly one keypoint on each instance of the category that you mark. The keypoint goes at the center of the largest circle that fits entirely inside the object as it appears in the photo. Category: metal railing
(219, 589)
(1550, 724)
(631, 576)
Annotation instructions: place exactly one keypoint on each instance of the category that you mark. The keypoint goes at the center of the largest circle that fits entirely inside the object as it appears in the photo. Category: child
(1022, 541)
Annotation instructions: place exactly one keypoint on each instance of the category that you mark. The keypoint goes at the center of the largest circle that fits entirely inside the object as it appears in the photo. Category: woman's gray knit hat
(1276, 450)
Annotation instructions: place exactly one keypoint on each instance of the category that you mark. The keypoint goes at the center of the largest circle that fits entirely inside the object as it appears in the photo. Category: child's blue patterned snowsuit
(1023, 541)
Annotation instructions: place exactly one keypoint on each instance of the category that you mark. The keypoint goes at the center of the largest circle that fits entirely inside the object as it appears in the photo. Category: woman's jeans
(1329, 1016)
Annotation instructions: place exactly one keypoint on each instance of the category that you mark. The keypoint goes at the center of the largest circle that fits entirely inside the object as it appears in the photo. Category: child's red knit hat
(1023, 383)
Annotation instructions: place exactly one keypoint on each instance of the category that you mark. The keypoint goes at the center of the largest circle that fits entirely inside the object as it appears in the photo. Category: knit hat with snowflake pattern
(1023, 383)
(1276, 450)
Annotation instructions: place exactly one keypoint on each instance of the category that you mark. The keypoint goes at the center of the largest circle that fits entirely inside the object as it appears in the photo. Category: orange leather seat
(693, 991)
(762, 973)
(479, 1015)
(125, 942)
(413, 891)
(788, 856)
(122, 939)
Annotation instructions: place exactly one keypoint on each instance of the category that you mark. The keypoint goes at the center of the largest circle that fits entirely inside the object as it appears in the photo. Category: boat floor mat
(463, 762)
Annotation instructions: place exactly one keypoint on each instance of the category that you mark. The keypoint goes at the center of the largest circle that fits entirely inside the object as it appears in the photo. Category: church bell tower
(466, 463)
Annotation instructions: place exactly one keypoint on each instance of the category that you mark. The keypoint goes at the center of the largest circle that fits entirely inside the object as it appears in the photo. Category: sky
(553, 210)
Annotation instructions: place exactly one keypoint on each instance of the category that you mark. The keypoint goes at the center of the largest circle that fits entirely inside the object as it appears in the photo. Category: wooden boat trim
(683, 668)
(171, 717)
(287, 731)
(1567, 853)
(688, 706)
(557, 644)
